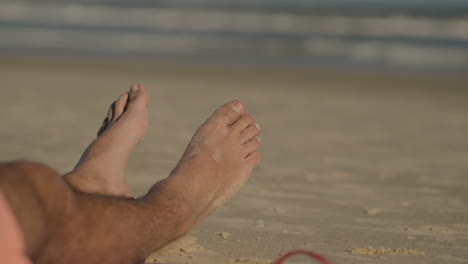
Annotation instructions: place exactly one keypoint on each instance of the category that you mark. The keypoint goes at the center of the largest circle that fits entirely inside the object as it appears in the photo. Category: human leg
(63, 224)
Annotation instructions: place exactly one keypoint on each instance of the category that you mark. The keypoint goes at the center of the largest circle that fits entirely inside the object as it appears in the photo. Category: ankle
(179, 209)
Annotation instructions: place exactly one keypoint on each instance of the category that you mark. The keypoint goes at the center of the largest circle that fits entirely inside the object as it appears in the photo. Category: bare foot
(219, 159)
(102, 167)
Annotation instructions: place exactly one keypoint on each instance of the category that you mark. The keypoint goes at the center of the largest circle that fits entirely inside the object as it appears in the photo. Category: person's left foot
(102, 167)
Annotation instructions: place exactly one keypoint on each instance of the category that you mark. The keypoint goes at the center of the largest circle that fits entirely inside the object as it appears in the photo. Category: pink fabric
(12, 247)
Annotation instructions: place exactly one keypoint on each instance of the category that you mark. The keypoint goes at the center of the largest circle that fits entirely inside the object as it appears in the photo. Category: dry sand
(361, 168)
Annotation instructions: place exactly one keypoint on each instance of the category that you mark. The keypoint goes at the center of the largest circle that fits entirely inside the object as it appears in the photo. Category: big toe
(139, 97)
(229, 113)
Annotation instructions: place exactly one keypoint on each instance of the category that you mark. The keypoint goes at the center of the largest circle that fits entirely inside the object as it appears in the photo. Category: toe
(243, 122)
(251, 131)
(134, 88)
(119, 105)
(103, 127)
(229, 113)
(139, 96)
(253, 158)
(110, 113)
(251, 146)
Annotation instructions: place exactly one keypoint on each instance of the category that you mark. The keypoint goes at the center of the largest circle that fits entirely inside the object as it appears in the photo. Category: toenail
(134, 88)
(258, 126)
(259, 140)
(238, 107)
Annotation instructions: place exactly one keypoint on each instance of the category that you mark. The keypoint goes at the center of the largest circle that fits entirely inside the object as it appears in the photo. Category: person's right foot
(219, 159)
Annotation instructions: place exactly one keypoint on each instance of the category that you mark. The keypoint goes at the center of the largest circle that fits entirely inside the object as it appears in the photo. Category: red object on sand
(281, 259)
(313, 255)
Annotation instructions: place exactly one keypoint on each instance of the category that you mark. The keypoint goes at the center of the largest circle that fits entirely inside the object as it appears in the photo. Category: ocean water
(419, 35)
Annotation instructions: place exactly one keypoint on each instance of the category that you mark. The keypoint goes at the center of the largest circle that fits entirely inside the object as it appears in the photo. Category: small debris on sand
(152, 259)
(224, 235)
(440, 230)
(259, 224)
(386, 251)
(373, 211)
(279, 210)
(188, 244)
(410, 238)
(404, 204)
(248, 261)
(182, 249)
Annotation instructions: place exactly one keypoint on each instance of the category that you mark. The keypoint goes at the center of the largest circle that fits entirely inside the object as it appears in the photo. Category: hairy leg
(61, 225)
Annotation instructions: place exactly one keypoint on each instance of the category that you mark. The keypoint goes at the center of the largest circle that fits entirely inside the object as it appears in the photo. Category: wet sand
(361, 168)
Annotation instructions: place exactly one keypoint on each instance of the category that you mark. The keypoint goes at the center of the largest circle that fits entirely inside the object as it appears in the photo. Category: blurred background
(396, 34)
(362, 104)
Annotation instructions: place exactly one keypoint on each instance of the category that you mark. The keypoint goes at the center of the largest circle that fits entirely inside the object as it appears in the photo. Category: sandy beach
(362, 168)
